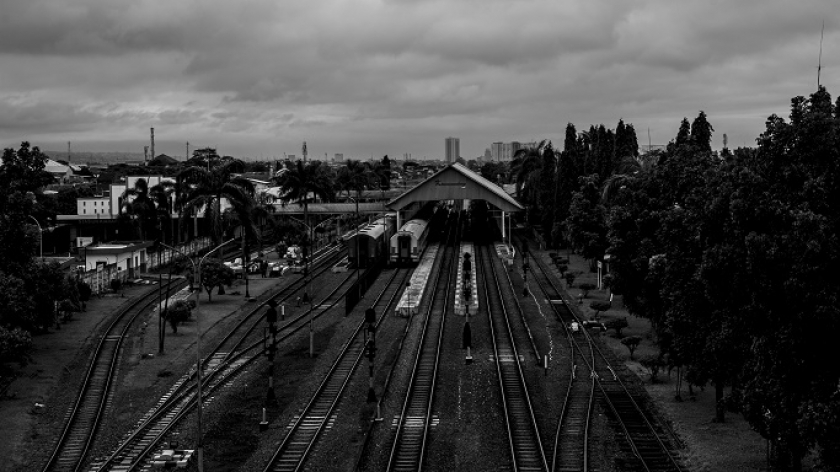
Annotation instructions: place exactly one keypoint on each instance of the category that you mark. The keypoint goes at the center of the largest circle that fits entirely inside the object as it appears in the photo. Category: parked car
(172, 459)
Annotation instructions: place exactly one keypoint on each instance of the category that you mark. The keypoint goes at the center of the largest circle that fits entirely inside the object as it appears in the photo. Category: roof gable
(457, 182)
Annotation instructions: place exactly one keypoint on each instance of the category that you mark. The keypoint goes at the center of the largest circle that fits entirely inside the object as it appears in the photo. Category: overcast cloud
(362, 77)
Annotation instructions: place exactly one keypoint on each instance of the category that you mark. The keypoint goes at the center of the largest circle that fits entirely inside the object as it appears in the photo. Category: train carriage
(370, 243)
(408, 244)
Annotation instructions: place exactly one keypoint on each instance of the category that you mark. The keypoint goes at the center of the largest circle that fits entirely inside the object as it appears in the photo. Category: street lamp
(197, 279)
(40, 235)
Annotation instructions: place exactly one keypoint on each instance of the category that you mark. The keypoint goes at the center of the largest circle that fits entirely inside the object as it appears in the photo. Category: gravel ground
(53, 378)
(296, 380)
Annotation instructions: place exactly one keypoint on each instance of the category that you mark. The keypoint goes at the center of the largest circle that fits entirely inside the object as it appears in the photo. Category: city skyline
(256, 81)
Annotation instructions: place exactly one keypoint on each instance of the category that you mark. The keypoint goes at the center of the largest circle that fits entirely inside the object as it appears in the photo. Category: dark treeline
(730, 255)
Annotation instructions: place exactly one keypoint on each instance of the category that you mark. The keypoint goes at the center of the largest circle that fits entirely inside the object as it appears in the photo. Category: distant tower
(304, 152)
(153, 143)
(188, 150)
(68, 152)
(453, 149)
(725, 140)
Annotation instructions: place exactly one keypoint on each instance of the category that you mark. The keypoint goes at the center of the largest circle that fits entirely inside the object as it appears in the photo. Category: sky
(256, 78)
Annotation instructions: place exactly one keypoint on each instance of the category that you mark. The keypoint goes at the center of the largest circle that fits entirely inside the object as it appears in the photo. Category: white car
(172, 459)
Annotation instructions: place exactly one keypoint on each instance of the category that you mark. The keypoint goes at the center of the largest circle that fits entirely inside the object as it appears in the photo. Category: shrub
(632, 342)
(84, 293)
(654, 365)
(116, 284)
(562, 268)
(586, 288)
(599, 306)
(617, 324)
(570, 279)
(177, 313)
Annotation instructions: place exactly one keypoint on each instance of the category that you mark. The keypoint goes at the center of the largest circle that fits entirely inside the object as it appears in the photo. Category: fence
(99, 279)
(167, 255)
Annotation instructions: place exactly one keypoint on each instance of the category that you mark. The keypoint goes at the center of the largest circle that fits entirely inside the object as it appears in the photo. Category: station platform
(413, 295)
(460, 299)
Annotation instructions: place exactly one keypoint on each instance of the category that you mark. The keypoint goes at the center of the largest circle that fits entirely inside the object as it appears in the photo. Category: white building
(453, 150)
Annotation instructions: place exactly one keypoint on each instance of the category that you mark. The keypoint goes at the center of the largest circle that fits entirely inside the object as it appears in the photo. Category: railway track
(526, 448)
(645, 441)
(237, 350)
(412, 429)
(305, 429)
(89, 408)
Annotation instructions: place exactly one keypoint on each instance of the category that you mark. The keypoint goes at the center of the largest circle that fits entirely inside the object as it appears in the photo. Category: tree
(701, 133)
(632, 342)
(684, 134)
(585, 288)
(178, 312)
(84, 293)
(209, 187)
(15, 344)
(215, 274)
(599, 306)
(355, 176)
(654, 365)
(135, 202)
(587, 226)
(617, 324)
(301, 182)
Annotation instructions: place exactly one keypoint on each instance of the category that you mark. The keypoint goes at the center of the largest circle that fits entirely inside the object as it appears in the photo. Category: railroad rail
(305, 429)
(523, 433)
(88, 410)
(644, 440)
(412, 430)
(227, 360)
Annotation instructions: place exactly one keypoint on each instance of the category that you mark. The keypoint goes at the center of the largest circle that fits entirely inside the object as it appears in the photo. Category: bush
(654, 365)
(562, 268)
(570, 279)
(599, 306)
(617, 324)
(15, 345)
(84, 293)
(178, 312)
(586, 288)
(632, 342)
(116, 284)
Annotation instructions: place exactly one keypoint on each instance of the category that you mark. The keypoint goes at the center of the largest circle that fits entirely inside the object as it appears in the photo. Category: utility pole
(188, 151)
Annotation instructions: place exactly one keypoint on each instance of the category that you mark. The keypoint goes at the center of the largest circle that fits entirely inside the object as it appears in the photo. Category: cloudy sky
(373, 77)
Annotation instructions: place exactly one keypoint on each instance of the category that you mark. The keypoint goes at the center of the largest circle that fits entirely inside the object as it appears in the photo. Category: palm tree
(355, 176)
(209, 187)
(525, 168)
(161, 195)
(135, 202)
(626, 172)
(300, 182)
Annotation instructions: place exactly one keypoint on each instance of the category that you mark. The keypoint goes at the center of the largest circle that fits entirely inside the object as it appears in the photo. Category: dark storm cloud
(263, 74)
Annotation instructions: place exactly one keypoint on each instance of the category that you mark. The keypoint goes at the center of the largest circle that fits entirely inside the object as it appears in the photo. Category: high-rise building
(453, 149)
(497, 151)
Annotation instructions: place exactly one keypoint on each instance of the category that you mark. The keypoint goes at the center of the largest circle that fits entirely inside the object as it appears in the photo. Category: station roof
(457, 182)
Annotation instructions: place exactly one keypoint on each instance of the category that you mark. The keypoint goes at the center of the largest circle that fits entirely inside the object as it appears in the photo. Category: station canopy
(457, 182)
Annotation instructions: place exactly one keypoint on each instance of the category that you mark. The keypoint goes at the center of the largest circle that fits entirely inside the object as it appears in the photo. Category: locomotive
(370, 244)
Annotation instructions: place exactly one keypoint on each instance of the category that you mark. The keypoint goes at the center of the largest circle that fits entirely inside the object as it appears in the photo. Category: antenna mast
(68, 152)
(819, 64)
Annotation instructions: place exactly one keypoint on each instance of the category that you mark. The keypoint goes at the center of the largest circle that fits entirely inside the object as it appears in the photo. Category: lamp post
(197, 283)
(40, 235)
(306, 296)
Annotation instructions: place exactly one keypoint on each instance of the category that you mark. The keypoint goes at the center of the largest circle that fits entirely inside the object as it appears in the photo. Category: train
(370, 244)
(408, 243)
